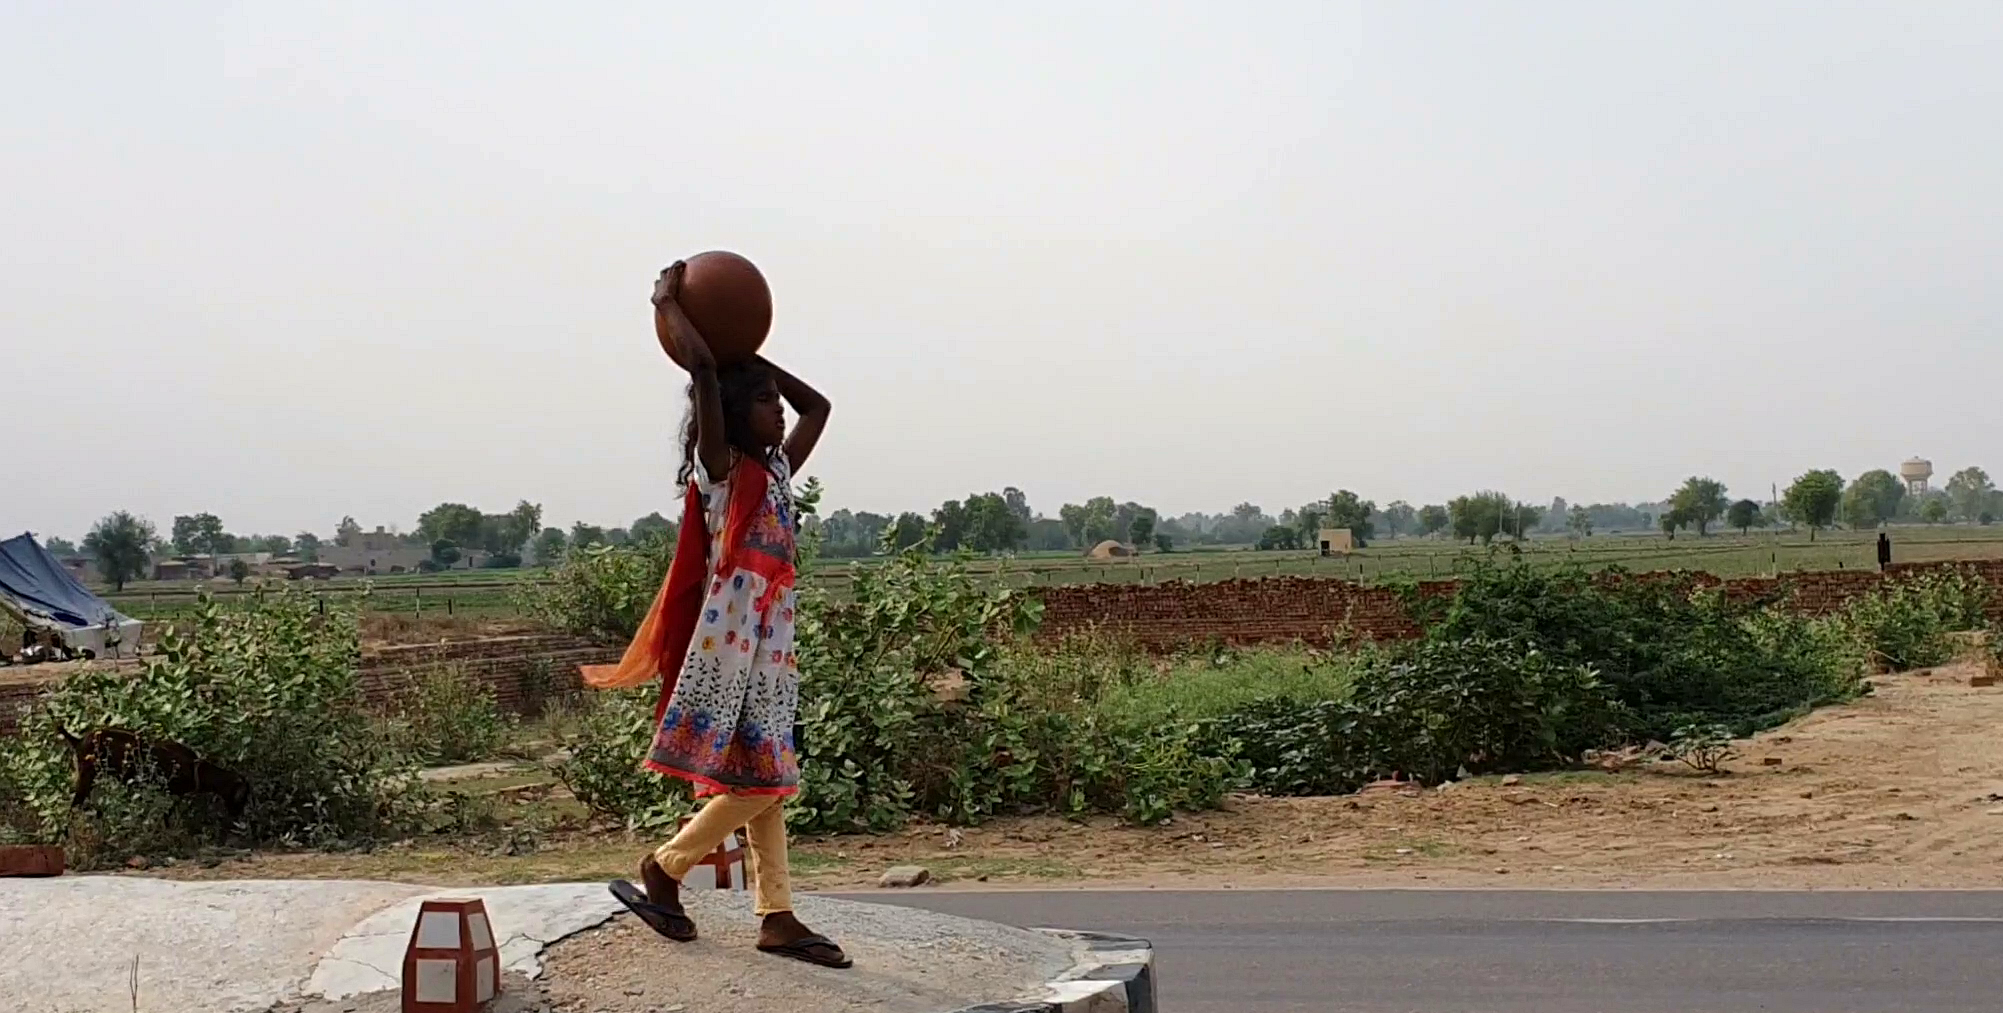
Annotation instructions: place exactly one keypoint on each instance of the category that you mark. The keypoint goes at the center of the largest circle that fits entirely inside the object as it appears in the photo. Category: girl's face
(768, 415)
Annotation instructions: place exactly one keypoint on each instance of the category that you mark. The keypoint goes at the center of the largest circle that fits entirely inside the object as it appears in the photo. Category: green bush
(607, 735)
(268, 690)
(1483, 705)
(866, 705)
(602, 591)
(1705, 748)
(446, 716)
(1904, 624)
(1671, 650)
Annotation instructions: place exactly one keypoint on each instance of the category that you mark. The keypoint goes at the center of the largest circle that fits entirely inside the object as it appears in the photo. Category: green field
(489, 594)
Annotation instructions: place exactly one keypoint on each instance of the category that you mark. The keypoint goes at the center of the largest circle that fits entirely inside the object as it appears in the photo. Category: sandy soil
(1903, 788)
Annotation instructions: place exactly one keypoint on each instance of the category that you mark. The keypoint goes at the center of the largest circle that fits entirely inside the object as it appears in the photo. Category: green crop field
(489, 594)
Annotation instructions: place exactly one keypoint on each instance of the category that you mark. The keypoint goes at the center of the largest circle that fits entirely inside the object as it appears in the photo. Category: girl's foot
(782, 934)
(660, 907)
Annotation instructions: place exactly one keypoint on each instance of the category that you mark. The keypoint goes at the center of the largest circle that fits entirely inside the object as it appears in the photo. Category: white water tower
(1916, 472)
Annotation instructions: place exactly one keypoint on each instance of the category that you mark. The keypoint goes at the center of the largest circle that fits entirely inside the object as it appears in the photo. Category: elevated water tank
(1916, 472)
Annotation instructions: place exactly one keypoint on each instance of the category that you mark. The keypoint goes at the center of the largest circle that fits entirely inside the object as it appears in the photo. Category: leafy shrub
(1479, 704)
(268, 690)
(1705, 748)
(1671, 650)
(1486, 705)
(1904, 624)
(602, 591)
(446, 716)
(608, 735)
(865, 697)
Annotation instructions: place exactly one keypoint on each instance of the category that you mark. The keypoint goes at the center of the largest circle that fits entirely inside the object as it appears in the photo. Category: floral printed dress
(728, 726)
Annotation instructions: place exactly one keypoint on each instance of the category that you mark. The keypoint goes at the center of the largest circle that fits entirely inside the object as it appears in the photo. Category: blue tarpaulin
(35, 584)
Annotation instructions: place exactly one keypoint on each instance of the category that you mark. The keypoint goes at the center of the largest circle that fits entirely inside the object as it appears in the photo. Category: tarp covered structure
(36, 589)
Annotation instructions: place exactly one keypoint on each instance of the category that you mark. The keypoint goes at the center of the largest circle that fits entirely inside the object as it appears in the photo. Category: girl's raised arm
(812, 407)
(676, 334)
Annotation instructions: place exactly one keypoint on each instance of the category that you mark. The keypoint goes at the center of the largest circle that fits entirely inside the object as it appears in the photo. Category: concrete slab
(526, 919)
(241, 947)
(201, 947)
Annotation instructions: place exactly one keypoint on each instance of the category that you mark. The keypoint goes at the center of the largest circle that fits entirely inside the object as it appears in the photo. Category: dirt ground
(1902, 789)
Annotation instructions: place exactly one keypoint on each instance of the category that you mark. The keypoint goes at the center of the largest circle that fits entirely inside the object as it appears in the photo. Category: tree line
(1004, 522)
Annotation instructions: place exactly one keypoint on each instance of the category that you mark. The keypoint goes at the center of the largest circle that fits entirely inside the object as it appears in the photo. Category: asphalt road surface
(1247, 951)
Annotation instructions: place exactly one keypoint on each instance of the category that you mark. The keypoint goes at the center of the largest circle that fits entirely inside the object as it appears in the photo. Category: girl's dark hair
(738, 388)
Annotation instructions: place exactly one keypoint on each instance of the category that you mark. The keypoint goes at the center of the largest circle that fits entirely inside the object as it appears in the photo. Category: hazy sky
(290, 261)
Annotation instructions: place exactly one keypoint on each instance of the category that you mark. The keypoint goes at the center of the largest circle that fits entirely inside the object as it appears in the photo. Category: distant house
(176, 569)
(1337, 542)
(381, 552)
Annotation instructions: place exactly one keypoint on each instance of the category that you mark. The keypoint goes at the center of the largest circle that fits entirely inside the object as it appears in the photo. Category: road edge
(1109, 974)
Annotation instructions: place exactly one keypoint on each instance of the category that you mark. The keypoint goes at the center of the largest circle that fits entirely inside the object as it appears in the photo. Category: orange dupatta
(662, 642)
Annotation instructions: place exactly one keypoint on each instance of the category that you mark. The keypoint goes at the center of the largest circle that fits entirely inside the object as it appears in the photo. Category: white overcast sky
(289, 261)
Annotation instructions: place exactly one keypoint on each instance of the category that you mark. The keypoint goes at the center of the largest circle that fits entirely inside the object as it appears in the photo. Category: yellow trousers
(763, 818)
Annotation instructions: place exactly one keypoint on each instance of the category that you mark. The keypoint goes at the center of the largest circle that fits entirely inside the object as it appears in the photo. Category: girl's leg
(765, 836)
(782, 932)
(716, 820)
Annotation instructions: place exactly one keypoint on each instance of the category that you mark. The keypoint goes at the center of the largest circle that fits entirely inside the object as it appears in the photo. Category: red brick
(30, 860)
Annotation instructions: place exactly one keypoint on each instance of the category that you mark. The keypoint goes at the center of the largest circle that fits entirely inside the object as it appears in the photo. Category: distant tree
(1018, 504)
(909, 530)
(1872, 499)
(616, 537)
(1813, 499)
(201, 533)
(1524, 519)
(1699, 503)
(1670, 520)
(585, 536)
(1347, 510)
(345, 532)
(59, 547)
(1279, 537)
(454, 522)
(277, 545)
(1399, 519)
(1480, 516)
(1580, 521)
(1559, 515)
(653, 528)
(1164, 543)
(1046, 534)
(949, 524)
(1142, 531)
(549, 546)
(1433, 519)
(239, 571)
(306, 545)
(991, 526)
(1934, 510)
(119, 543)
(508, 532)
(1744, 515)
(1089, 523)
(444, 552)
(1970, 491)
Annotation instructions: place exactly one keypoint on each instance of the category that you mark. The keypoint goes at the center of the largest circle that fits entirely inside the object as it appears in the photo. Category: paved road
(1241, 951)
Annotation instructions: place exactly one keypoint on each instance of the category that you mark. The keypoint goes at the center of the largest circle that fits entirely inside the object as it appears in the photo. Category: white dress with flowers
(728, 726)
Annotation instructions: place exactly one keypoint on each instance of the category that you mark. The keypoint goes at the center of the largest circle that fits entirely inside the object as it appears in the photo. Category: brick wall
(522, 670)
(1315, 610)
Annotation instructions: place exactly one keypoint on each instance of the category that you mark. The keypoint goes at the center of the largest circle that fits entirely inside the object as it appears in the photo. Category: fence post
(448, 605)
(420, 603)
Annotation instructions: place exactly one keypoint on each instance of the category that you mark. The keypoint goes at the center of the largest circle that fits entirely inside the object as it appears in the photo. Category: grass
(1207, 687)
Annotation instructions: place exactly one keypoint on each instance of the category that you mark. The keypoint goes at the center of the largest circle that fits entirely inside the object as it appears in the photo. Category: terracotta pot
(31, 860)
